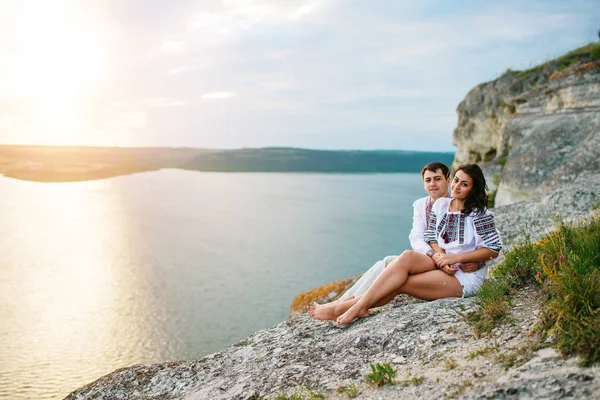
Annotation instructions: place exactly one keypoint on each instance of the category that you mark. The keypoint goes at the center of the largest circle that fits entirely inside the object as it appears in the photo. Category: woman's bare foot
(314, 304)
(324, 312)
(356, 311)
(330, 311)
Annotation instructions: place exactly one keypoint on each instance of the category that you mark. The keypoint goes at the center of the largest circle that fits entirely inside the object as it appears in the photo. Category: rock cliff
(535, 130)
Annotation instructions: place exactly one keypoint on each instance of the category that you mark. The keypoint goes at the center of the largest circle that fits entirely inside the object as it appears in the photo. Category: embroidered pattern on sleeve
(429, 234)
(486, 228)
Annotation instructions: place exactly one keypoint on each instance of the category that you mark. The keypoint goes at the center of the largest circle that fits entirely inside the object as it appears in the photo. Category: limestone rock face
(533, 131)
(482, 117)
(554, 138)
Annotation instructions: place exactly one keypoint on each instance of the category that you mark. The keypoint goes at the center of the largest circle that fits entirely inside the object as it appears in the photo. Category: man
(436, 180)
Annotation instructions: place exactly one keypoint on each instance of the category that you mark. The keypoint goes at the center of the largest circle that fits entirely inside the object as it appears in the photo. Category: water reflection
(173, 264)
(65, 254)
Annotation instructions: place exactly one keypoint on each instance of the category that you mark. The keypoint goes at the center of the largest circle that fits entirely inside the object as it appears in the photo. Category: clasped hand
(446, 262)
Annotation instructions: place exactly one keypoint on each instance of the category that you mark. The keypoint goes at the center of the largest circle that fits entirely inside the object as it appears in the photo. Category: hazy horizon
(215, 148)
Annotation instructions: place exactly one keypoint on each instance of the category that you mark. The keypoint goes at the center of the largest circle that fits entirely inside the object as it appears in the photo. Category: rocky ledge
(430, 344)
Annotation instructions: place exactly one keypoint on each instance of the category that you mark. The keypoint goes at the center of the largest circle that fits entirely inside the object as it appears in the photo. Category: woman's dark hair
(477, 199)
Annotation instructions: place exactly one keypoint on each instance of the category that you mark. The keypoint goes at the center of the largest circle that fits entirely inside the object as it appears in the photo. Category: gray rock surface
(422, 339)
(537, 216)
(554, 138)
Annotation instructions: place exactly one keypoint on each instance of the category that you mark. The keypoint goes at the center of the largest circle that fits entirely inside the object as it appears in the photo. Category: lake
(173, 265)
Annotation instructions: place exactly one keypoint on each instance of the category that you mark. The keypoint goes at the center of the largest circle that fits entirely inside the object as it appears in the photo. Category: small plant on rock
(381, 374)
(350, 390)
(450, 363)
(484, 352)
(414, 381)
(518, 357)
(300, 393)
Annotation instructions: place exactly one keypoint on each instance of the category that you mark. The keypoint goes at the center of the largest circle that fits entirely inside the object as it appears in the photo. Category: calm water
(173, 264)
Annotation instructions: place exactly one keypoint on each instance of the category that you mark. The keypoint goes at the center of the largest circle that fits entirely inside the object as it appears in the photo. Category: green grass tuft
(588, 52)
(518, 357)
(450, 364)
(483, 352)
(350, 390)
(381, 374)
(566, 263)
(520, 265)
(494, 304)
(492, 199)
(570, 274)
(300, 393)
(414, 381)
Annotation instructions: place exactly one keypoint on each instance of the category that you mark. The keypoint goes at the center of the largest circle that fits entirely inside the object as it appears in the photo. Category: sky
(322, 74)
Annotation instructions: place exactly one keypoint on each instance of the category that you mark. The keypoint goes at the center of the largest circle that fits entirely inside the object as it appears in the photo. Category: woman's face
(462, 184)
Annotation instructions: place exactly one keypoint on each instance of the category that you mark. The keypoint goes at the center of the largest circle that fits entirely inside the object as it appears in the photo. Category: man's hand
(469, 267)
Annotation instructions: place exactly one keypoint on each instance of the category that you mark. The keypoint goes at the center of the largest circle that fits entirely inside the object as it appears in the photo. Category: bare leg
(389, 283)
(432, 285)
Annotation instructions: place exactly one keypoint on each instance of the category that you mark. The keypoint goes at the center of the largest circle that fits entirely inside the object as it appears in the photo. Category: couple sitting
(452, 238)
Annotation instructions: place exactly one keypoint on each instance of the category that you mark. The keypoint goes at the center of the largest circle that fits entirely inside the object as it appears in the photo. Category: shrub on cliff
(570, 274)
(566, 263)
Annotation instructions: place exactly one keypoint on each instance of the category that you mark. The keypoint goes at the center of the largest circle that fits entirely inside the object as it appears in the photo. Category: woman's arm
(437, 248)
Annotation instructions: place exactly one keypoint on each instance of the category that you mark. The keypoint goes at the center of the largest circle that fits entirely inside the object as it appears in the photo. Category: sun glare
(64, 54)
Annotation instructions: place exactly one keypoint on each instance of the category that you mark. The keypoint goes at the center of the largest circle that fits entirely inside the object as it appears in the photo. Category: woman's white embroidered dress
(456, 233)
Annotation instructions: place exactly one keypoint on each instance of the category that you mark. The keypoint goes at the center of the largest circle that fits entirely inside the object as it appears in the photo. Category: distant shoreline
(76, 164)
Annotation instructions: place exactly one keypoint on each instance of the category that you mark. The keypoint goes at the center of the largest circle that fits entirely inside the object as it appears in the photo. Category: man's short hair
(434, 166)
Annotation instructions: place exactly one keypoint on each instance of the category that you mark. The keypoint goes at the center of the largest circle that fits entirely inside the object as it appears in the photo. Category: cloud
(234, 17)
(171, 46)
(164, 102)
(129, 119)
(182, 69)
(9, 122)
(218, 95)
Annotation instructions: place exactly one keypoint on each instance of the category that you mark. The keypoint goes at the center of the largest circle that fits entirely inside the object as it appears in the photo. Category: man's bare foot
(356, 311)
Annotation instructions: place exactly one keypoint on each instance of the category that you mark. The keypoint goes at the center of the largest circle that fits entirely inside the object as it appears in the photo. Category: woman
(460, 229)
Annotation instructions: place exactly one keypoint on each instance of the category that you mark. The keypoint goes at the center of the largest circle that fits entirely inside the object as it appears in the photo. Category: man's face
(435, 184)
